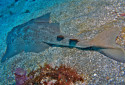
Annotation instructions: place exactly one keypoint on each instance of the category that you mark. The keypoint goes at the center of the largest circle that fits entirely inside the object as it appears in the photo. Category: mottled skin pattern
(38, 34)
(29, 36)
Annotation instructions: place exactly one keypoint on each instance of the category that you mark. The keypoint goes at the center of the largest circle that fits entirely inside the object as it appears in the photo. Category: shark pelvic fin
(117, 54)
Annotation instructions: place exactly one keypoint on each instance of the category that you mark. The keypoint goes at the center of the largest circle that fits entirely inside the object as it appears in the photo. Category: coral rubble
(47, 75)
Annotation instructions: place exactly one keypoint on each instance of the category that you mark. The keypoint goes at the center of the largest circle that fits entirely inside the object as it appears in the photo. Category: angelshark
(39, 34)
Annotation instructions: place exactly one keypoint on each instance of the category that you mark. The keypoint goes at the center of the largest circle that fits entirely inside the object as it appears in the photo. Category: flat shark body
(38, 34)
(29, 36)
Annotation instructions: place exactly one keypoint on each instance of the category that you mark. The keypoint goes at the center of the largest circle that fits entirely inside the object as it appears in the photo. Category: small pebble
(27, 11)
(122, 73)
(107, 77)
(95, 74)
(110, 80)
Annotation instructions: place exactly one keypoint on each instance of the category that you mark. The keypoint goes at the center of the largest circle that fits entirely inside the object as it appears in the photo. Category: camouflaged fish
(39, 34)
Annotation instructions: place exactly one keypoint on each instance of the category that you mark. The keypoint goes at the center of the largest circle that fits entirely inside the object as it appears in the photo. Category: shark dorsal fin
(107, 38)
(43, 19)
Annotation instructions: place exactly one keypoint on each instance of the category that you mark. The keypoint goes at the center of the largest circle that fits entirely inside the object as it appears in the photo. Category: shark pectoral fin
(14, 48)
(117, 54)
(10, 53)
(6, 56)
(43, 19)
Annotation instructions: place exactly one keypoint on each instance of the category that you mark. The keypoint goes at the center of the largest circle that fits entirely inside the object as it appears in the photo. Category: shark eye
(60, 37)
(73, 42)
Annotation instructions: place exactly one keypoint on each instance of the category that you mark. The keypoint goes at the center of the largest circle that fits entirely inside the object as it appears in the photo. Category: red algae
(47, 75)
(122, 14)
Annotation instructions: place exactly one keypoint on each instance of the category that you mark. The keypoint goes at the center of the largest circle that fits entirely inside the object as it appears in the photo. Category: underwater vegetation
(20, 76)
(47, 75)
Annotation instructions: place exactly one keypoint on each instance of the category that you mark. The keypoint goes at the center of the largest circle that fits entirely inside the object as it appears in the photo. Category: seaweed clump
(48, 75)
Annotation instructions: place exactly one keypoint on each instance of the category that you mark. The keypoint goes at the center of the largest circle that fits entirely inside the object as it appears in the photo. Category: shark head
(29, 36)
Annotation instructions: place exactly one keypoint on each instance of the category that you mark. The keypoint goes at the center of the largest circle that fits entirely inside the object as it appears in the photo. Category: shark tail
(106, 40)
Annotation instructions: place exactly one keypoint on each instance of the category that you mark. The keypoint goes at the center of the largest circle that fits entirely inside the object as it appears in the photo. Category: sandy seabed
(74, 16)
